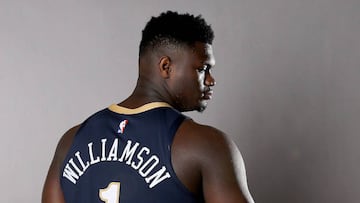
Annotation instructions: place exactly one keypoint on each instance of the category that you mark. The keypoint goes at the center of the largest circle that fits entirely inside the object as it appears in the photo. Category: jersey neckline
(146, 107)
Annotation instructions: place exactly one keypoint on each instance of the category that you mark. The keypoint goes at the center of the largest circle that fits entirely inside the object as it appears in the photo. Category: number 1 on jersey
(111, 193)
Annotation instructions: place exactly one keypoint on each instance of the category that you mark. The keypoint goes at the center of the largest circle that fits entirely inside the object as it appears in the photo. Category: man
(143, 149)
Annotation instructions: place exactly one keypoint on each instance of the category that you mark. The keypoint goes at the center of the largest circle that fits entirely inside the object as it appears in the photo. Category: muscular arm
(52, 192)
(208, 163)
(223, 172)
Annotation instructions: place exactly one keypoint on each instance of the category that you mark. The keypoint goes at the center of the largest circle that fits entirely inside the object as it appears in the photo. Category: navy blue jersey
(123, 155)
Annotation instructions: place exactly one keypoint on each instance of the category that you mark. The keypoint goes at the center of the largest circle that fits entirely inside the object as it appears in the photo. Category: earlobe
(164, 66)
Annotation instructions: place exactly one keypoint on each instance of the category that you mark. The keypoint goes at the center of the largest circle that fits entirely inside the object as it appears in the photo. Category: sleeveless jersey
(124, 155)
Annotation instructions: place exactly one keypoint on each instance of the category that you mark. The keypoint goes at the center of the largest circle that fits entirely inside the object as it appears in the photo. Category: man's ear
(165, 66)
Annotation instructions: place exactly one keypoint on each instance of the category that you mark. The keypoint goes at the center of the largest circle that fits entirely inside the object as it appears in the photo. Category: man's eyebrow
(210, 62)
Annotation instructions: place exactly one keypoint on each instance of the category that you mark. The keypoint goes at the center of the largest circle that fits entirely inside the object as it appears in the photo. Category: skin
(204, 159)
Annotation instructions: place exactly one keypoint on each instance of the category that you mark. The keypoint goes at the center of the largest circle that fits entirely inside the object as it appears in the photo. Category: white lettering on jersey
(136, 156)
(113, 151)
(70, 174)
(152, 162)
(157, 177)
(128, 152)
(103, 147)
(84, 167)
(140, 158)
(92, 160)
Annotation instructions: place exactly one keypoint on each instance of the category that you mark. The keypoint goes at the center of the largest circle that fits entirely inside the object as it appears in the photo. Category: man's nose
(209, 80)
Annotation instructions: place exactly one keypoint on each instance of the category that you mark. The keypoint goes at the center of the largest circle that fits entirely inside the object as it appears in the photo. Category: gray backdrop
(287, 86)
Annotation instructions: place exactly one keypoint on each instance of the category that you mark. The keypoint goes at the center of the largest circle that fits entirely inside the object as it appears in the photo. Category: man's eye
(203, 68)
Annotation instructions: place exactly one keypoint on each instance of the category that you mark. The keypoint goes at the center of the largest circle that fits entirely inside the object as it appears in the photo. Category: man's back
(121, 153)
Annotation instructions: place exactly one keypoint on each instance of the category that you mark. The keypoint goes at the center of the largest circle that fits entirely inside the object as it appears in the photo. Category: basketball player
(144, 150)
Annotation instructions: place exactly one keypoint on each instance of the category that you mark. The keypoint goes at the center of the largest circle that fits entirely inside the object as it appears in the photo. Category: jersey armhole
(171, 135)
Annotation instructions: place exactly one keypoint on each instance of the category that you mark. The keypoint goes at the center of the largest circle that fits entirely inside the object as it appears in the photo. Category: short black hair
(172, 28)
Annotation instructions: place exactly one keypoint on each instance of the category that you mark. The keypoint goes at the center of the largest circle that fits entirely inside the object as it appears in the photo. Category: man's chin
(201, 108)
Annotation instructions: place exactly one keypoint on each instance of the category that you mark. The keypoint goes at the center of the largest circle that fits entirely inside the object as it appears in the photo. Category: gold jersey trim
(146, 107)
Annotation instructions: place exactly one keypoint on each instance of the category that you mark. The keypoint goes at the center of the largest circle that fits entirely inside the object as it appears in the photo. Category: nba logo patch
(122, 126)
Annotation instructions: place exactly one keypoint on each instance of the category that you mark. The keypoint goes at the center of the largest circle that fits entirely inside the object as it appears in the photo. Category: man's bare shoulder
(66, 141)
(216, 160)
(52, 191)
(202, 137)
